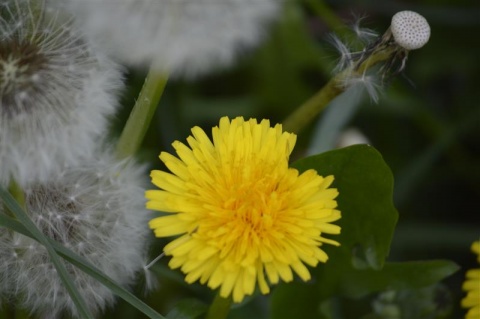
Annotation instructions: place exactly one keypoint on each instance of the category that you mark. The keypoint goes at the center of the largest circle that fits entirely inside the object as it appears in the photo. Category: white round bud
(410, 30)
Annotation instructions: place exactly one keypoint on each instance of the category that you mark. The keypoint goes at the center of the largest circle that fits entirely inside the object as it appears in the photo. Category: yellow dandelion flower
(472, 287)
(242, 215)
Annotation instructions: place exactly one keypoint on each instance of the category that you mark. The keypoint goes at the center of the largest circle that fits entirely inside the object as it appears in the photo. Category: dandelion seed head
(114, 239)
(182, 37)
(410, 30)
(55, 94)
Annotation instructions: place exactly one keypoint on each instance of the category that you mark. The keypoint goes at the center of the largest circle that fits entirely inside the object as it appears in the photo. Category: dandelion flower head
(472, 287)
(241, 215)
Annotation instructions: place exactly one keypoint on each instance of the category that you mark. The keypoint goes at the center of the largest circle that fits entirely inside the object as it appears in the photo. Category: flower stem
(141, 115)
(17, 193)
(219, 308)
(318, 102)
(11, 310)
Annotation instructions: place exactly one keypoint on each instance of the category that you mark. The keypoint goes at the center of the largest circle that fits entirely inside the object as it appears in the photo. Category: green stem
(327, 15)
(17, 192)
(8, 311)
(302, 116)
(11, 310)
(141, 115)
(219, 308)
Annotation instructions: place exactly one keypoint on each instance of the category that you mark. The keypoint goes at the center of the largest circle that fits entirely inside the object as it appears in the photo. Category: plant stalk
(308, 111)
(219, 308)
(141, 114)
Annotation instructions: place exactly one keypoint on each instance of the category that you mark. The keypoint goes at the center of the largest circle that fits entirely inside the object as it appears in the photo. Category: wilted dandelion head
(97, 210)
(241, 213)
(181, 37)
(472, 287)
(410, 30)
(54, 90)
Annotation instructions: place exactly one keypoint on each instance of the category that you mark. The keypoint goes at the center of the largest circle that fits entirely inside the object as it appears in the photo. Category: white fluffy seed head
(55, 91)
(97, 210)
(410, 30)
(181, 37)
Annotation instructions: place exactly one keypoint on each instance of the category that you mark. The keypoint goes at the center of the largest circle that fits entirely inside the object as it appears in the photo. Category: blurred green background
(426, 124)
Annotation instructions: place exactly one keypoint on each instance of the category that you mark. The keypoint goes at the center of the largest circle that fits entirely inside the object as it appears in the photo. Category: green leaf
(357, 267)
(13, 206)
(396, 276)
(187, 309)
(365, 185)
(87, 267)
(295, 300)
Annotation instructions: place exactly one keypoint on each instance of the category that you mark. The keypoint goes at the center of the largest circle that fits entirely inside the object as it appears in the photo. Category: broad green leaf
(11, 204)
(187, 309)
(365, 185)
(357, 267)
(85, 266)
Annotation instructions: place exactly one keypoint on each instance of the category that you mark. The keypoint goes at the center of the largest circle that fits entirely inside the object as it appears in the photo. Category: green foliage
(396, 276)
(426, 128)
(431, 302)
(187, 309)
(365, 185)
(357, 267)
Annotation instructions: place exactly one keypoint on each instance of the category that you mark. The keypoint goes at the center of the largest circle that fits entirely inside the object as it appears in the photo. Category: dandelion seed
(369, 83)
(114, 239)
(346, 56)
(55, 93)
(365, 35)
(472, 287)
(241, 213)
(181, 37)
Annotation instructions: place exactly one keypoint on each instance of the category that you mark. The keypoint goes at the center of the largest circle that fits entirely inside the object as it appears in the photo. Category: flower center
(249, 209)
(251, 204)
(19, 66)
